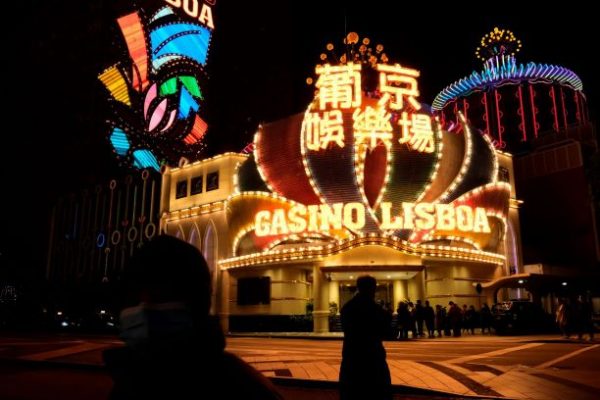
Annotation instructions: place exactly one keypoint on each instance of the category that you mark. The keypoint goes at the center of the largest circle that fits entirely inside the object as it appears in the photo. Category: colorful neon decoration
(541, 90)
(367, 160)
(505, 69)
(156, 94)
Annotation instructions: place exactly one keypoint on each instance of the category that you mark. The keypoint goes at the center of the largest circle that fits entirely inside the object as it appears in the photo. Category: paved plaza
(524, 367)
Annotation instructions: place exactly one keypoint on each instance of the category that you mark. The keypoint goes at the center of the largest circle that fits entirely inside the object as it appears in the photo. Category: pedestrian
(173, 348)
(419, 317)
(486, 318)
(364, 373)
(440, 319)
(429, 315)
(455, 318)
(563, 318)
(403, 320)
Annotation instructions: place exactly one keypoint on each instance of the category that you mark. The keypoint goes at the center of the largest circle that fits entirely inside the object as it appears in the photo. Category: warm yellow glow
(372, 125)
(336, 216)
(417, 132)
(116, 85)
(320, 131)
(311, 253)
(396, 84)
(339, 86)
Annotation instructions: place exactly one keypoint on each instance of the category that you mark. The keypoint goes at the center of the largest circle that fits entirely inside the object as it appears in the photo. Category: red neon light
(564, 110)
(554, 108)
(522, 112)
(487, 115)
(499, 117)
(133, 32)
(198, 131)
(578, 114)
(533, 111)
(465, 108)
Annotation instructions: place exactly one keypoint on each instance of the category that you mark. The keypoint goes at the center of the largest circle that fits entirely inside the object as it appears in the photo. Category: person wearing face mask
(173, 348)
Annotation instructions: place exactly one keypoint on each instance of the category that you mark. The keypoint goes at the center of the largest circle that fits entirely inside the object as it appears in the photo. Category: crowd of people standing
(422, 320)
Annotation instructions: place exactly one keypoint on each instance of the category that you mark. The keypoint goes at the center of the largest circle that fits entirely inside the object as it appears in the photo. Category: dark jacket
(364, 373)
(184, 367)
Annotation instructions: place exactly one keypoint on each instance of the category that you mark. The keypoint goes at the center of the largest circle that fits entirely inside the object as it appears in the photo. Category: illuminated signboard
(325, 217)
(196, 9)
(156, 94)
(367, 158)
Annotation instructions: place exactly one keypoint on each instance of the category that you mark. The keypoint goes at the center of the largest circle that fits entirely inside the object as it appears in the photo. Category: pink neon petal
(150, 95)
(171, 120)
(158, 114)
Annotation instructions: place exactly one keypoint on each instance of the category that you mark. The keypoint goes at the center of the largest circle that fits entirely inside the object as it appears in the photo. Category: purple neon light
(504, 69)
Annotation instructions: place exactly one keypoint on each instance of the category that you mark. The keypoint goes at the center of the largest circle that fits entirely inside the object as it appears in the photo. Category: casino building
(366, 181)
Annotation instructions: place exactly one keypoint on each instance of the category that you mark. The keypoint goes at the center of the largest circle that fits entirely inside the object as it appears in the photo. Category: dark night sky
(261, 54)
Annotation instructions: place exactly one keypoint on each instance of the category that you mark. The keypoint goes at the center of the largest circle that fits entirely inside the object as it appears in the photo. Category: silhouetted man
(364, 373)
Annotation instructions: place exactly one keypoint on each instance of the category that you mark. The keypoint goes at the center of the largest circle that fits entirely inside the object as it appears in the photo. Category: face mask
(153, 321)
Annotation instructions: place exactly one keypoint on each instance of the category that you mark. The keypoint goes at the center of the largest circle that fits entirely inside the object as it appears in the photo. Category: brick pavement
(462, 376)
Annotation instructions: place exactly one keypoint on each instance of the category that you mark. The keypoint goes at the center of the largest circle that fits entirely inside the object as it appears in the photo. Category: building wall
(290, 291)
(201, 219)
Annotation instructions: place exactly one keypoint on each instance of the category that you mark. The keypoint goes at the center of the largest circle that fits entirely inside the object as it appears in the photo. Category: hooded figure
(173, 347)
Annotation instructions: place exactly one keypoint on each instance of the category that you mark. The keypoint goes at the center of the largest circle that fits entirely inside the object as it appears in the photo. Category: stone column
(320, 301)
(400, 292)
(334, 293)
(419, 287)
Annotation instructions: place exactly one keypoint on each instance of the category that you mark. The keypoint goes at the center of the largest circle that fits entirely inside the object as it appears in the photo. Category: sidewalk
(470, 375)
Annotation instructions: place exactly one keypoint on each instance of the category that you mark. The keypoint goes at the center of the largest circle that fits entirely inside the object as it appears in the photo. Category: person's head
(427, 303)
(450, 303)
(166, 270)
(366, 286)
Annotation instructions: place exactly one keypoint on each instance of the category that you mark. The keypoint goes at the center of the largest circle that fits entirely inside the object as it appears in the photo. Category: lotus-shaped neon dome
(367, 159)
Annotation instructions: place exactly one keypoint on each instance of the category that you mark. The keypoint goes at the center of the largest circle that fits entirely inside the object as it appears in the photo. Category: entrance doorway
(383, 294)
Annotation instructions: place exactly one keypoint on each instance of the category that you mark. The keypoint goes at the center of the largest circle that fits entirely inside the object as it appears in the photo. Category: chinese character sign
(390, 113)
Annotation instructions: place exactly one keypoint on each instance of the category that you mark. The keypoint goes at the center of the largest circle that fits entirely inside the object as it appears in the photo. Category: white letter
(464, 218)
(174, 3)
(425, 219)
(331, 216)
(445, 217)
(313, 217)
(349, 221)
(206, 16)
(386, 218)
(279, 224)
(481, 221)
(297, 215)
(408, 215)
(261, 223)
(193, 11)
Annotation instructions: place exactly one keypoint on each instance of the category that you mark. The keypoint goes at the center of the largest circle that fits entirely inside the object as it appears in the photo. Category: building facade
(262, 282)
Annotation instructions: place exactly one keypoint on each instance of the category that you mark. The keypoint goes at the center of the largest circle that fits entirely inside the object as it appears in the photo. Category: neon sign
(192, 8)
(366, 159)
(326, 217)
(156, 93)
(340, 88)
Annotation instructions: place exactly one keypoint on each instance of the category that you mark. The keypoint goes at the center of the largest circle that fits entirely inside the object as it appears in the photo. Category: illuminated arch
(194, 236)
(210, 247)
(179, 233)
